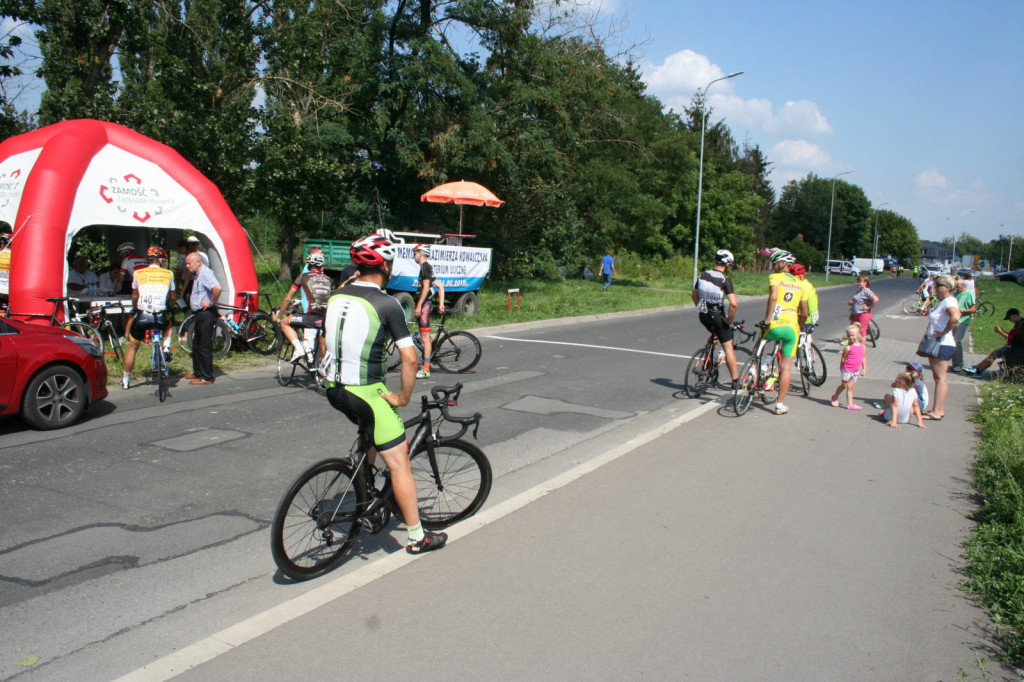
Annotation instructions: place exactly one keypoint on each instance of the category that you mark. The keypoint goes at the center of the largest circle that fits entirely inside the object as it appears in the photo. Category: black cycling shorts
(143, 322)
(715, 323)
(307, 321)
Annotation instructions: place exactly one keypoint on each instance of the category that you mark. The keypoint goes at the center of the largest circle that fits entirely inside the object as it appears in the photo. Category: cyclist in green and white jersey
(359, 321)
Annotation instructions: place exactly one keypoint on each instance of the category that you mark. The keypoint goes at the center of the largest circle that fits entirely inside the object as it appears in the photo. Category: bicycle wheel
(912, 306)
(160, 367)
(184, 339)
(743, 394)
(816, 369)
(285, 366)
(113, 342)
(769, 390)
(87, 330)
(459, 488)
(221, 338)
(317, 520)
(803, 381)
(697, 378)
(394, 360)
(262, 334)
(986, 309)
(873, 333)
(457, 352)
(741, 357)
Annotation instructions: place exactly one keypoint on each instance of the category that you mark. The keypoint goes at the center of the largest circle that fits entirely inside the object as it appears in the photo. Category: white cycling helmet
(423, 248)
(782, 256)
(126, 246)
(390, 236)
(724, 257)
(315, 257)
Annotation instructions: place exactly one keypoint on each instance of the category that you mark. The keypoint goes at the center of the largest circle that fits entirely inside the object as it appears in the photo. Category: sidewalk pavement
(819, 545)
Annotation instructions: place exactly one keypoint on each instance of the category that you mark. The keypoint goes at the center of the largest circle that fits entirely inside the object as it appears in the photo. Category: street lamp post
(1009, 257)
(956, 229)
(828, 251)
(700, 172)
(874, 248)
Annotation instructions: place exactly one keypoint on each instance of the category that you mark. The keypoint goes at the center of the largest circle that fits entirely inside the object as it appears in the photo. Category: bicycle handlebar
(445, 397)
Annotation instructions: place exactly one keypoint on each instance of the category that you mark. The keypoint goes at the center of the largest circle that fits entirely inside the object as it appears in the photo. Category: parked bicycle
(915, 305)
(810, 361)
(255, 330)
(158, 364)
(760, 376)
(112, 343)
(985, 308)
(63, 307)
(455, 352)
(704, 367)
(325, 509)
(286, 367)
(873, 332)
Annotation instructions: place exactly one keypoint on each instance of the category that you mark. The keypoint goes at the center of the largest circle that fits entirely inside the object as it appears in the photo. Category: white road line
(589, 345)
(250, 629)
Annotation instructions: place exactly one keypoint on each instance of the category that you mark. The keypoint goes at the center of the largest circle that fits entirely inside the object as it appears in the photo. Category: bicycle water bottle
(719, 359)
(416, 337)
(234, 325)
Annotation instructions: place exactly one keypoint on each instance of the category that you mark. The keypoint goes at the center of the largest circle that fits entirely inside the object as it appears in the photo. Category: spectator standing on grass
(203, 302)
(968, 306)
(607, 269)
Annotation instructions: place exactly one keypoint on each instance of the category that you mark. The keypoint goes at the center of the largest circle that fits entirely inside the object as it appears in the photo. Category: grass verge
(1004, 295)
(995, 550)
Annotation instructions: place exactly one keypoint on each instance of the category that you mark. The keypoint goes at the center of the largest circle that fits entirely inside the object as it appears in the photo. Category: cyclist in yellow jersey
(810, 293)
(785, 314)
(152, 295)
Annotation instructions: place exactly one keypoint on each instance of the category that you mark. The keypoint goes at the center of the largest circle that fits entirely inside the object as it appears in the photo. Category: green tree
(897, 237)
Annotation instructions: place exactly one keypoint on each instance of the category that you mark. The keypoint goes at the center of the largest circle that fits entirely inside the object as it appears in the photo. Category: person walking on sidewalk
(203, 302)
(941, 322)
(853, 363)
(968, 306)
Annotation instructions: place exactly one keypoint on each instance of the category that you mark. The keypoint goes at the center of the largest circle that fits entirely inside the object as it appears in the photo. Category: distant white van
(841, 267)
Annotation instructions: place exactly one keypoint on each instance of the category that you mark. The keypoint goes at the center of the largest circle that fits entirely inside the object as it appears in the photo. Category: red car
(47, 374)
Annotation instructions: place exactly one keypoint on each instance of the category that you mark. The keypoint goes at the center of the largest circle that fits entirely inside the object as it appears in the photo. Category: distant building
(935, 253)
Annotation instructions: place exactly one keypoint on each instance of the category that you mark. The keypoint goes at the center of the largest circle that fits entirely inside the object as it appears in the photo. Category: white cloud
(930, 178)
(799, 153)
(683, 73)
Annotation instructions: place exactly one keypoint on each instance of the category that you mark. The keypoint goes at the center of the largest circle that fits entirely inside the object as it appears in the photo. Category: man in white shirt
(81, 277)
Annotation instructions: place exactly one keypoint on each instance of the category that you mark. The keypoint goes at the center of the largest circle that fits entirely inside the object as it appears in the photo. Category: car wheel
(55, 398)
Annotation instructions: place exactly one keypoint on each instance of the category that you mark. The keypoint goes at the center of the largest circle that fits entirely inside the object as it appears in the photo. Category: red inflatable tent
(62, 178)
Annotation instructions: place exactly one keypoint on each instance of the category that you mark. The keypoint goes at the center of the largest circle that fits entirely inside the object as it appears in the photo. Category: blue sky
(923, 101)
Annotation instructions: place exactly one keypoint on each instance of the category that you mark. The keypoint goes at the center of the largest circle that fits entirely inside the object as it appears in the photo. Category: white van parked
(842, 267)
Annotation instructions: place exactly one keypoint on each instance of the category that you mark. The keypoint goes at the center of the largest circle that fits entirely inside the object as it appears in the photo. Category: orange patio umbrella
(462, 193)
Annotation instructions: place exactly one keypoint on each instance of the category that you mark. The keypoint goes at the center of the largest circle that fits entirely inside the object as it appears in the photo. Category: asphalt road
(144, 529)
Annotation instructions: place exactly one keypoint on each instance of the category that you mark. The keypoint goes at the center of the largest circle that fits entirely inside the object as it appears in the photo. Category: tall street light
(956, 229)
(700, 172)
(874, 248)
(828, 251)
(1009, 258)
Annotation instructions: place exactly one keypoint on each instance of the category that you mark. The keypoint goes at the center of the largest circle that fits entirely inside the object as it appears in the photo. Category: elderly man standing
(203, 302)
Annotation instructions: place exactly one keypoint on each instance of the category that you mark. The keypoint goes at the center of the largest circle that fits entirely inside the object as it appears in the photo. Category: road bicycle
(704, 367)
(253, 329)
(915, 305)
(810, 361)
(158, 364)
(286, 368)
(760, 376)
(63, 307)
(325, 509)
(454, 352)
(873, 332)
(985, 308)
(111, 342)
